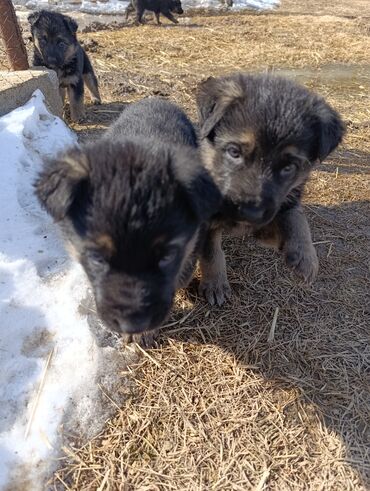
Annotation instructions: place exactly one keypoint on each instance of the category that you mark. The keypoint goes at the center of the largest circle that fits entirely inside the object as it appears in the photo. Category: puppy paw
(145, 340)
(303, 261)
(78, 118)
(95, 101)
(216, 291)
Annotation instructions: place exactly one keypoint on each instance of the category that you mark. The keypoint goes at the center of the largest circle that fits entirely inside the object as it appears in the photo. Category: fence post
(12, 37)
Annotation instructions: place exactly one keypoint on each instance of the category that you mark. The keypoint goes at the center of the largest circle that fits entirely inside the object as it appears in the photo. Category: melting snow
(41, 294)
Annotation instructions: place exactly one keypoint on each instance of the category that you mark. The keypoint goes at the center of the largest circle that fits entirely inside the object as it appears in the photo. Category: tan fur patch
(92, 86)
(70, 51)
(214, 283)
(106, 242)
(187, 264)
(37, 44)
(78, 163)
(248, 138)
(293, 150)
(270, 235)
(231, 90)
(245, 139)
(62, 93)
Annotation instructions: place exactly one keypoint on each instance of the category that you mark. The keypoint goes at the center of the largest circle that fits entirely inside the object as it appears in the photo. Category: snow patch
(119, 6)
(42, 292)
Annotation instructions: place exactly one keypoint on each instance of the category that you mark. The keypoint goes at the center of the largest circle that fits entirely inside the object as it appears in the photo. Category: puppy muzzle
(256, 214)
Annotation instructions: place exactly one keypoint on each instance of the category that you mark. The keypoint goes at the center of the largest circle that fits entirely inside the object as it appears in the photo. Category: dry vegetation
(231, 400)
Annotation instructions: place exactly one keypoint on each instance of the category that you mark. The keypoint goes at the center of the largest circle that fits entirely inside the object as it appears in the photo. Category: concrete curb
(16, 88)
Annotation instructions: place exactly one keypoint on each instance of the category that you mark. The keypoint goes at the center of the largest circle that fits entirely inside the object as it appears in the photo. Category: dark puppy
(134, 206)
(56, 47)
(261, 136)
(164, 7)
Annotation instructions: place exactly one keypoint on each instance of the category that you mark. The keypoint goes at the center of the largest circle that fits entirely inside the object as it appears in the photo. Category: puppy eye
(234, 151)
(96, 258)
(61, 43)
(167, 259)
(288, 170)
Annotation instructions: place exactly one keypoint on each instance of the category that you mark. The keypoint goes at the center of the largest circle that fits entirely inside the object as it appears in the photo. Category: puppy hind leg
(170, 17)
(157, 15)
(139, 15)
(92, 85)
(76, 100)
(91, 80)
(214, 284)
(129, 10)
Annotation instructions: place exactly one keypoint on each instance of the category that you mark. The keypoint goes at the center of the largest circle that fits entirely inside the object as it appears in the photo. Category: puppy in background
(134, 205)
(164, 7)
(56, 47)
(261, 136)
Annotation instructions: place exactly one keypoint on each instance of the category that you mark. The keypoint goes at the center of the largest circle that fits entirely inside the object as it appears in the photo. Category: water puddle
(339, 76)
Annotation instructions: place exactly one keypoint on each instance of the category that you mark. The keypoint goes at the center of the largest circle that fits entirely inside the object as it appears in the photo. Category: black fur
(279, 113)
(261, 137)
(56, 47)
(164, 7)
(135, 206)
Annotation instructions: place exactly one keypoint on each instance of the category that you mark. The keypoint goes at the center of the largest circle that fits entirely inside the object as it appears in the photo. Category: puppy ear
(58, 184)
(33, 18)
(213, 98)
(70, 23)
(330, 129)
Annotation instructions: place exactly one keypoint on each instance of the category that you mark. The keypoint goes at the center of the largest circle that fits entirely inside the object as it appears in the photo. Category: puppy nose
(252, 213)
(133, 324)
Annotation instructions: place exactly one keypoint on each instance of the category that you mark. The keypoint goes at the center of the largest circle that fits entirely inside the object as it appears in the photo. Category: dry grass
(270, 392)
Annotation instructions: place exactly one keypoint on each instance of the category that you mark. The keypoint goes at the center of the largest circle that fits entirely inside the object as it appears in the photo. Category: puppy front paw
(95, 101)
(303, 260)
(216, 290)
(145, 340)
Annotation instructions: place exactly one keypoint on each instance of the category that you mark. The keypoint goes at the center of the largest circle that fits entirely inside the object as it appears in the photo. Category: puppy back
(156, 119)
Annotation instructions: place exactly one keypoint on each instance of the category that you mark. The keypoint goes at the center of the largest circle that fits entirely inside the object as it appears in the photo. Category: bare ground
(230, 400)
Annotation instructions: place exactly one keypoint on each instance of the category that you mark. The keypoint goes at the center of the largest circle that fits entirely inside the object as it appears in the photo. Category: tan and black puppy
(261, 136)
(56, 47)
(134, 206)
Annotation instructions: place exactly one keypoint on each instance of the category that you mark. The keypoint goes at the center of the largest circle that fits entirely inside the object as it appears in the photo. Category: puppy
(134, 205)
(164, 7)
(56, 47)
(261, 136)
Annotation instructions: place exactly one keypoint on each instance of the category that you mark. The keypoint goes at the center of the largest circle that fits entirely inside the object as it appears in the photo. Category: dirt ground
(231, 400)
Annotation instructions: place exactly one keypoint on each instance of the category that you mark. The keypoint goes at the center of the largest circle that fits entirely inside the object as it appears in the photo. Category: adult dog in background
(261, 136)
(56, 47)
(164, 7)
(134, 205)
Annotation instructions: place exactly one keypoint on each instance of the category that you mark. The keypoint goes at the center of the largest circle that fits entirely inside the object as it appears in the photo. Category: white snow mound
(41, 291)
